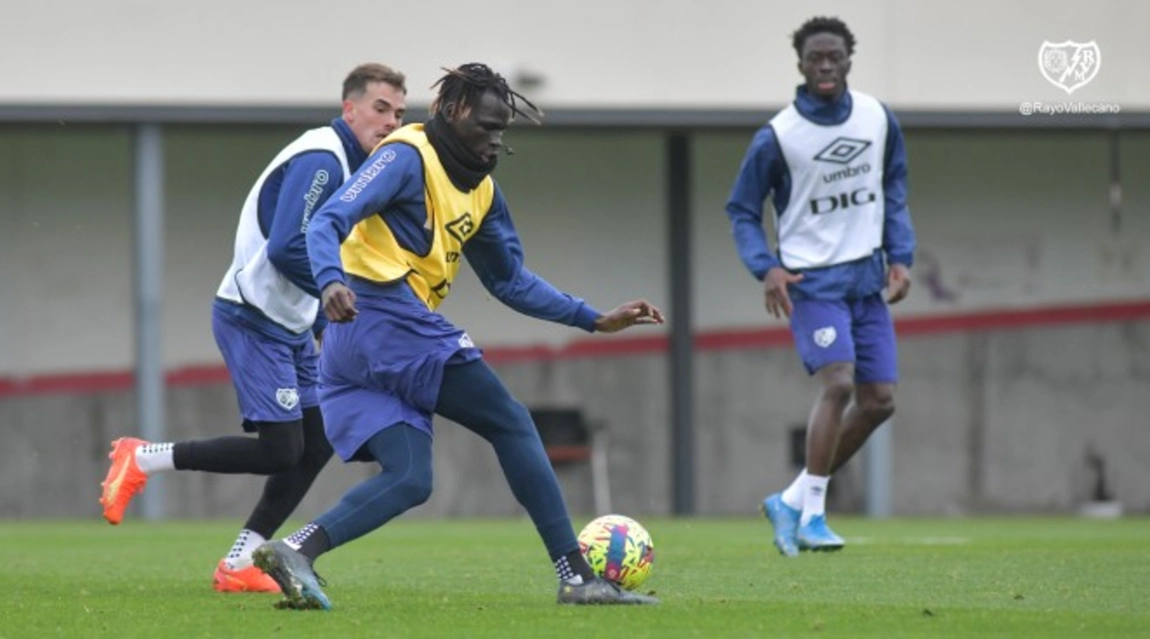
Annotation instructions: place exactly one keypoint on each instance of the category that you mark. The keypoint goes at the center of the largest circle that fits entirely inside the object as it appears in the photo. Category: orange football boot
(250, 579)
(124, 479)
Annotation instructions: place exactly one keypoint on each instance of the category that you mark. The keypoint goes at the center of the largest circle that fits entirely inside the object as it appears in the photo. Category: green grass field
(717, 578)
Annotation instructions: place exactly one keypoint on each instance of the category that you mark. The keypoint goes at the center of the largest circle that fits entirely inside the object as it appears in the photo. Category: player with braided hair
(470, 81)
(383, 263)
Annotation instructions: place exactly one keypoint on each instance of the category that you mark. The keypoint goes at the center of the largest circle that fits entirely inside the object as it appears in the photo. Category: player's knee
(281, 459)
(878, 406)
(282, 446)
(837, 382)
(314, 460)
(514, 419)
(317, 450)
(838, 389)
(315, 455)
(415, 488)
(521, 416)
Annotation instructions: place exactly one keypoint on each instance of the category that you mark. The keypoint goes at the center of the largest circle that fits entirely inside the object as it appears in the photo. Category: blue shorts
(385, 367)
(854, 331)
(274, 380)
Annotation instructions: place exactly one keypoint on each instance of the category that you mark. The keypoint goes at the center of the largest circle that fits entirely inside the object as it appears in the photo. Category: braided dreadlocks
(465, 85)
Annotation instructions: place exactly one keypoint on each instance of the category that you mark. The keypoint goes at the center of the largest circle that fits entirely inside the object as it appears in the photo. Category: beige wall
(977, 54)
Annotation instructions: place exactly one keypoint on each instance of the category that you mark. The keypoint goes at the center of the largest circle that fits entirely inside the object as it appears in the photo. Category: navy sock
(572, 565)
(312, 541)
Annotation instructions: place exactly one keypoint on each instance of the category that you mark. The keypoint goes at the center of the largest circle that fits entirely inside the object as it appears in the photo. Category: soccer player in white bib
(834, 167)
(264, 316)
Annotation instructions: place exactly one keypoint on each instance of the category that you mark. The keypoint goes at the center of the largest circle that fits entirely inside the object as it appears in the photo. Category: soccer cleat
(815, 535)
(124, 479)
(599, 591)
(250, 579)
(300, 585)
(785, 521)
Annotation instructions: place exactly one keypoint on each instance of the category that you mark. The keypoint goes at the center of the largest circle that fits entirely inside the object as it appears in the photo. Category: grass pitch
(717, 578)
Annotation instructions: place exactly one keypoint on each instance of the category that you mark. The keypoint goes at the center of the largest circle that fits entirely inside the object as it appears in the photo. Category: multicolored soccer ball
(619, 550)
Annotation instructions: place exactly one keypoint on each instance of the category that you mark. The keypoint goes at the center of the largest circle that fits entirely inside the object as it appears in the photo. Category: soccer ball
(619, 550)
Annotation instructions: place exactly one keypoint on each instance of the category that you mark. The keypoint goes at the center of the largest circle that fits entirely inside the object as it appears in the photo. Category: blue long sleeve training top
(764, 173)
(495, 252)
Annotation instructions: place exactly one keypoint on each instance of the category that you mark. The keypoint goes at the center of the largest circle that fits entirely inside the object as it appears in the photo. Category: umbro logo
(461, 227)
(842, 151)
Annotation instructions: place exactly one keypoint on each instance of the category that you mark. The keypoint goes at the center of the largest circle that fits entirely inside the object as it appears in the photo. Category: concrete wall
(977, 54)
(1005, 220)
(1008, 221)
(989, 421)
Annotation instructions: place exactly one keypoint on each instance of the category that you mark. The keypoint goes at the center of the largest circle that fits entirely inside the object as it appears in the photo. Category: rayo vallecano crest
(1069, 65)
(825, 336)
(287, 397)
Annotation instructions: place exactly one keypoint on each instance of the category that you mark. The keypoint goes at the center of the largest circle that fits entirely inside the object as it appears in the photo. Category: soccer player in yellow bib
(384, 253)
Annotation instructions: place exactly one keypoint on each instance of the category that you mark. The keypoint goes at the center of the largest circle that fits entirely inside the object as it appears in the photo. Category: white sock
(153, 458)
(793, 495)
(814, 498)
(240, 556)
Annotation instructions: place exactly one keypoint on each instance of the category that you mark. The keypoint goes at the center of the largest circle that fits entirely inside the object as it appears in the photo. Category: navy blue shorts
(274, 380)
(859, 331)
(385, 367)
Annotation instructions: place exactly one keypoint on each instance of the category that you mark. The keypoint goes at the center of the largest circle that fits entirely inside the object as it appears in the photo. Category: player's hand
(628, 315)
(338, 302)
(775, 291)
(897, 283)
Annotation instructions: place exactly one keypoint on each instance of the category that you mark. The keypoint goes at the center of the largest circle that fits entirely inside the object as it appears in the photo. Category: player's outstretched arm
(627, 315)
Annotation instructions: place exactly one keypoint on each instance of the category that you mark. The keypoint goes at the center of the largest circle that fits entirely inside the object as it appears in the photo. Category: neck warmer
(463, 167)
(821, 111)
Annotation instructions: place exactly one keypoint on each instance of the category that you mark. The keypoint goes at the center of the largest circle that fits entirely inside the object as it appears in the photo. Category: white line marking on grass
(911, 541)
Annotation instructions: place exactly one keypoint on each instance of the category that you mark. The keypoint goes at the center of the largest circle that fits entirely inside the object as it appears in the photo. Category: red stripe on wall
(105, 381)
(602, 346)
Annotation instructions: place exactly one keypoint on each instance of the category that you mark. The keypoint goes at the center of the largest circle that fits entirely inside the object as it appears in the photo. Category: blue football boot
(293, 572)
(785, 521)
(816, 536)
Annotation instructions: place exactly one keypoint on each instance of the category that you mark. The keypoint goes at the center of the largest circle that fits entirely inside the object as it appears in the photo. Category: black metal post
(682, 329)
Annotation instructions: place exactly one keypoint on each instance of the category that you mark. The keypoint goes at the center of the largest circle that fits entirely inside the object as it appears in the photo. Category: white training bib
(835, 212)
(252, 278)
